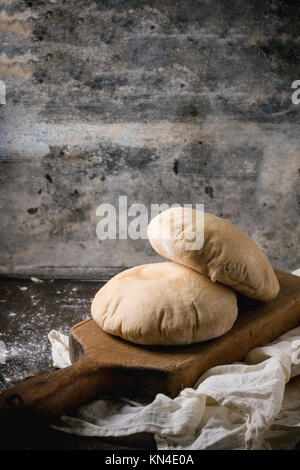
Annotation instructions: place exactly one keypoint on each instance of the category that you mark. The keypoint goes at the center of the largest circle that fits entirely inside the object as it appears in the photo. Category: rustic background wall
(160, 100)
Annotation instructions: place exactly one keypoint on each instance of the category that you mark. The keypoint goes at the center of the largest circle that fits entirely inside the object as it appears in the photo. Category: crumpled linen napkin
(254, 404)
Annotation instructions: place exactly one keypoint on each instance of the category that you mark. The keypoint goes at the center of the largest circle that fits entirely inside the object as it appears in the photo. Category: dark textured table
(28, 312)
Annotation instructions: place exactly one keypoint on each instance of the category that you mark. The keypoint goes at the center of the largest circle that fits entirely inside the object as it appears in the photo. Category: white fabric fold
(60, 349)
(245, 405)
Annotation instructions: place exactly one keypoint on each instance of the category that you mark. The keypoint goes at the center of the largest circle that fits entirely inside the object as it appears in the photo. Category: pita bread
(228, 255)
(164, 304)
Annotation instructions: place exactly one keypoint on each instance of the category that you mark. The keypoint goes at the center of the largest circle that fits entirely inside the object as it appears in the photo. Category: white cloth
(254, 404)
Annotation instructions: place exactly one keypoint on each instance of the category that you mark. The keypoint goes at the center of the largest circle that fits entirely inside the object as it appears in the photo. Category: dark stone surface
(165, 102)
(26, 318)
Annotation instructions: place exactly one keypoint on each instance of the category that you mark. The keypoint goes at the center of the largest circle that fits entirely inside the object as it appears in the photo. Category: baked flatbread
(164, 304)
(228, 255)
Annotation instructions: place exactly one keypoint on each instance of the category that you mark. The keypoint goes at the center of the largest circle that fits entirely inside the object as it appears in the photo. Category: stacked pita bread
(191, 298)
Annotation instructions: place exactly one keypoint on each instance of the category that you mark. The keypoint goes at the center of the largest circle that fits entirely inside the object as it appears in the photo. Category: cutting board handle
(51, 395)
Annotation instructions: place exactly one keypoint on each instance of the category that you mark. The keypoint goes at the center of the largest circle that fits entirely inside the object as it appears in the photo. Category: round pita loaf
(228, 255)
(164, 304)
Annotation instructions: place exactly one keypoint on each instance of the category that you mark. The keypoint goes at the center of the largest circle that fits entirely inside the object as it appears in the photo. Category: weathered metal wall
(160, 100)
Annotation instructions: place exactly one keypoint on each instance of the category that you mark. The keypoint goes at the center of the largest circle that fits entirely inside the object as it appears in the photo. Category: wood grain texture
(107, 365)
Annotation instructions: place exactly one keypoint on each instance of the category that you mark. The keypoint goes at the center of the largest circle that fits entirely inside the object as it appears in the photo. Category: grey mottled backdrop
(160, 100)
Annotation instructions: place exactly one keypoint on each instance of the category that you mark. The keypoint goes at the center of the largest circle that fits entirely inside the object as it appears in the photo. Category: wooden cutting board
(107, 365)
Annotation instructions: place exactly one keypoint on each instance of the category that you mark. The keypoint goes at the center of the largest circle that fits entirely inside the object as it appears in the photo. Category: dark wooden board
(108, 365)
